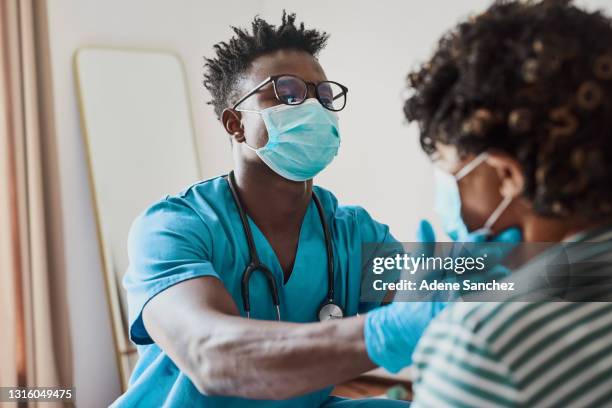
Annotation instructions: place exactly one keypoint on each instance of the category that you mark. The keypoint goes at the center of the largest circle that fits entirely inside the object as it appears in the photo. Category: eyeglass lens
(293, 91)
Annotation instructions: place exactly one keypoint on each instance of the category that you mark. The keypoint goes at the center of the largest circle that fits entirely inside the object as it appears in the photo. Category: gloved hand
(425, 233)
(393, 331)
(494, 253)
(494, 249)
(510, 235)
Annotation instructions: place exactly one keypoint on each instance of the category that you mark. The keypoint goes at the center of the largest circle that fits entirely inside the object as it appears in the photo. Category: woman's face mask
(302, 139)
(448, 205)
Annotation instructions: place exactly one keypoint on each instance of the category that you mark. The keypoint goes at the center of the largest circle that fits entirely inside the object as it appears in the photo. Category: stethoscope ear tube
(243, 219)
(328, 248)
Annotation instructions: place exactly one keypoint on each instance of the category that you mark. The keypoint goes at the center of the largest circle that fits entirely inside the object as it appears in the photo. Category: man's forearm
(276, 360)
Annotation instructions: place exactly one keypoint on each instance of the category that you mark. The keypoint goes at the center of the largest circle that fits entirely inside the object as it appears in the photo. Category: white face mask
(448, 205)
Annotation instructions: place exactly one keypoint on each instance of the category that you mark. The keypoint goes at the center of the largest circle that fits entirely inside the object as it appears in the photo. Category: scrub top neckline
(302, 236)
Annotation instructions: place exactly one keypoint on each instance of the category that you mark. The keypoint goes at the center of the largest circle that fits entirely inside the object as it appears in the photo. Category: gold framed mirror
(137, 124)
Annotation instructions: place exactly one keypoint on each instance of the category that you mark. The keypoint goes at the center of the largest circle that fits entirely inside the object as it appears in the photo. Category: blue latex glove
(511, 235)
(425, 233)
(393, 331)
(495, 253)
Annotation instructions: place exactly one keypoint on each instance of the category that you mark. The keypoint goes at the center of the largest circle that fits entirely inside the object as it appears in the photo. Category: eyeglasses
(293, 90)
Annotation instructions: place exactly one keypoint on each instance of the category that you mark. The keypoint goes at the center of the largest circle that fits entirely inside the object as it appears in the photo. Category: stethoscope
(328, 309)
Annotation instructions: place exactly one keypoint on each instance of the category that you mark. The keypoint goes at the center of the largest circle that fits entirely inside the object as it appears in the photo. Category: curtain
(34, 331)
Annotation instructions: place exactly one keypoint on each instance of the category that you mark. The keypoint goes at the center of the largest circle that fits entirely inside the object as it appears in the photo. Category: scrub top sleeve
(167, 244)
(377, 241)
(370, 230)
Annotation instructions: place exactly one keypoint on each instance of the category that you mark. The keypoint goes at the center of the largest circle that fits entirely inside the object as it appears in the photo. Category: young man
(522, 96)
(212, 268)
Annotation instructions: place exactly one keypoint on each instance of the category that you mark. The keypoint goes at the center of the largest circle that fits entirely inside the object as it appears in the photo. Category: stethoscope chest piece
(330, 311)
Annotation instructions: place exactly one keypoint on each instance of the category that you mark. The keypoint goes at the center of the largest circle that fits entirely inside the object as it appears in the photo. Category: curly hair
(234, 57)
(534, 80)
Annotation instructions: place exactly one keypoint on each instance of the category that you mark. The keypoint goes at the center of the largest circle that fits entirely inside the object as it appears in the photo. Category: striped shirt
(516, 354)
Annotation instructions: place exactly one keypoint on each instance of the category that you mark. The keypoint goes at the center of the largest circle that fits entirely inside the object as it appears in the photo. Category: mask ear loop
(467, 169)
(497, 213)
(500, 208)
(250, 147)
(242, 126)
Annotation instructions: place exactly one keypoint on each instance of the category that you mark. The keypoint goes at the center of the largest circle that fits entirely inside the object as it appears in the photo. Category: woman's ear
(510, 173)
(233, 124)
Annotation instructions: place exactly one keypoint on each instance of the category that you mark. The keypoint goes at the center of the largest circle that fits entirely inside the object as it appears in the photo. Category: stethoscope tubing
(255, 263)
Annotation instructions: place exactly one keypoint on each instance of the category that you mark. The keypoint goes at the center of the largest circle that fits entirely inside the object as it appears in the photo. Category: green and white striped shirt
(548, 354)
(516, 354)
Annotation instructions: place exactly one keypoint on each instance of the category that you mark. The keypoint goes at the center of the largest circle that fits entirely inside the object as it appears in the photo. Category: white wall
(380, 166)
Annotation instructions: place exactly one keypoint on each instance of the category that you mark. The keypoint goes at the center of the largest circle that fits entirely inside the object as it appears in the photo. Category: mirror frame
(124, 348)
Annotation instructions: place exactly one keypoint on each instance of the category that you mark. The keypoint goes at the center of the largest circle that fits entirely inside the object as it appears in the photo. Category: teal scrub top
(199, 233)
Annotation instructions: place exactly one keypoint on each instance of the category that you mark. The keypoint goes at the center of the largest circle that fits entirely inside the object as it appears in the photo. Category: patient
(526, 89)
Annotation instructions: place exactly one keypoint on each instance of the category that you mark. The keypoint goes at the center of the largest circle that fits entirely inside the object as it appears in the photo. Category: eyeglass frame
(273, 79)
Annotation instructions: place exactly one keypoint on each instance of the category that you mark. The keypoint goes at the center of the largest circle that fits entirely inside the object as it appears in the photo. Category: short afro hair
(533, 80)
(234, 57)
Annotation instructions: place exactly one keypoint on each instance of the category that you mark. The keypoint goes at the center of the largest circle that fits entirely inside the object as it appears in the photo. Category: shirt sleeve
(370, 230)
(167, 244)
(455, 367)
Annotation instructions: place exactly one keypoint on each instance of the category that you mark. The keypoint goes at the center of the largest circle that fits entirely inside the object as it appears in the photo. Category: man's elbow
(206, 370)
(214, 377)
(209, 379)
(214, 382)
(212, 387)
(214, 371)
(207, 385)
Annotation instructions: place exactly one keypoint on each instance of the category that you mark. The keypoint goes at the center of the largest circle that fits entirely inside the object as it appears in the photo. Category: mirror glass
(139, 135)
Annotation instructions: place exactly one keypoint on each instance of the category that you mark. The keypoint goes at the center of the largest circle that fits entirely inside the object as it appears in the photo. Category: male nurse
(210, 331)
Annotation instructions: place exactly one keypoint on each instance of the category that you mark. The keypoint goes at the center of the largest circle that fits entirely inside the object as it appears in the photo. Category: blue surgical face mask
(448, 205)
(302, 139)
